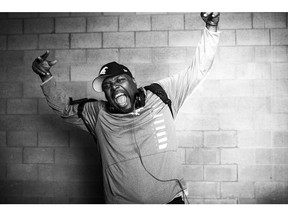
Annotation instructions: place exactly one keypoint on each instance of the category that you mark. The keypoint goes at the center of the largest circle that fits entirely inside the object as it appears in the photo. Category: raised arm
(57, 98)
(183, 84)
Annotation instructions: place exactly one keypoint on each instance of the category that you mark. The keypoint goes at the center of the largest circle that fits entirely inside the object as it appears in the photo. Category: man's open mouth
(121, 99)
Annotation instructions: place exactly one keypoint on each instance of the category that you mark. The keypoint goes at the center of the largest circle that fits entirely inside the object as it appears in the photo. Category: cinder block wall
(233, 131)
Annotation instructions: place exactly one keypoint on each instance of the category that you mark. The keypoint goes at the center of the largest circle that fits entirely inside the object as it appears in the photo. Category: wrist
(44, 78)
(212, 28)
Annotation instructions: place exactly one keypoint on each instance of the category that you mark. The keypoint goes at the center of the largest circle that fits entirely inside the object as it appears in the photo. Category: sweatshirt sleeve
(180, 86)
(59, 101)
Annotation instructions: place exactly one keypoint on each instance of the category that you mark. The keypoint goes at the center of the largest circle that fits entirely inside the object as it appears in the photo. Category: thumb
(52, 63)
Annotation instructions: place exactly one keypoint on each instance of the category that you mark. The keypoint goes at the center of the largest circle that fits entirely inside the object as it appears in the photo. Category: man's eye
(121, 80)
(106, 86)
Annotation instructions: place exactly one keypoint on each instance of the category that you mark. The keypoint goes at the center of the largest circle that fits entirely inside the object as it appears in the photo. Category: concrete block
(255, 173)
(238, 156)
(220, 172)
(22, 42)
(223, 70)
(147, 73)
(86, 40)
(84, 72)
(152, 39)
(3, 42)
(264, 156)
(279, 70)
(237, 190)
(193, 172)
(32, 90)
(280, 156)
(81, 139)
(102, 56)
(220, 138)
(253, 37)
(269, 20)
(184, 38)
(280, 87)
(43, 107)
(53, 139)
(204, 189)
(236, 54)
(168, 55)
(3, 138)
(192, 106)
(22, 106)
(280, 173)
(236, 20)
(253, 71)
(45, 25)
(193, 21)
(3, 106)
(21, 138)
(271, 190)
(11, 90)
(236, 122)
(209, 88)
(32, 123)
(76, 156)
(167, 22)
(203, 122)
(228, 38)
(279, 122)
(279, 105)
(254, 139)
(137, 56)
(135, 23)
(118, 39)
(271, 53)
(11, 26)
(11, 188)
(190, 138)
(70, 57)
(20, 74)
(38, 188)
(54, 41)
(71, 24)
(38, 155)
(202, 156)
(10, 155)
(263, 87)
(279, 37)
(280, 139)
(102, 24)
(22, 172)
(11, 58)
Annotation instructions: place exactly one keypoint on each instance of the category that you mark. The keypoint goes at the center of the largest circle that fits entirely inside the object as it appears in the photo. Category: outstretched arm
(183, 84)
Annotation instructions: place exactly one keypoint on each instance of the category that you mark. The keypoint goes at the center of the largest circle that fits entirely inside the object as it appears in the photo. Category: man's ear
(133, 79)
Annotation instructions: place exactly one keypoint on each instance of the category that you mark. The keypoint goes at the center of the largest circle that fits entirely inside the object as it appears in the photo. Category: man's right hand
(42, 66)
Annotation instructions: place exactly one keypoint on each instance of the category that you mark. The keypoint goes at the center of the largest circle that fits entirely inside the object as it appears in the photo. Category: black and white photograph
(115, 107)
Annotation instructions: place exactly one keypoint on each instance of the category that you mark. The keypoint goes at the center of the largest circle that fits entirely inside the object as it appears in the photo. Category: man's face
(120, 92)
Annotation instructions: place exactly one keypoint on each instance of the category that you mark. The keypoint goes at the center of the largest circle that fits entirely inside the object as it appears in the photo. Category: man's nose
(115, 86)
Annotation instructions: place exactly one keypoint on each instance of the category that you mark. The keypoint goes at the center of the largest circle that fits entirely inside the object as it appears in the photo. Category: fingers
(215, 14)
(45, 55)
(52, 63)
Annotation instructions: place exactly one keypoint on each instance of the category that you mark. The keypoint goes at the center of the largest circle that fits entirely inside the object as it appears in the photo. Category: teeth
(119, 94)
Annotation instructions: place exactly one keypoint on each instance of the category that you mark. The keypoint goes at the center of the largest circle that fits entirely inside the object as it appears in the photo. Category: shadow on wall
(272, 193)
(64, 169)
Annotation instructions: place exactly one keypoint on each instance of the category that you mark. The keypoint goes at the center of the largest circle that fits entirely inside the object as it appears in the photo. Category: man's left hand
(211, 19)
